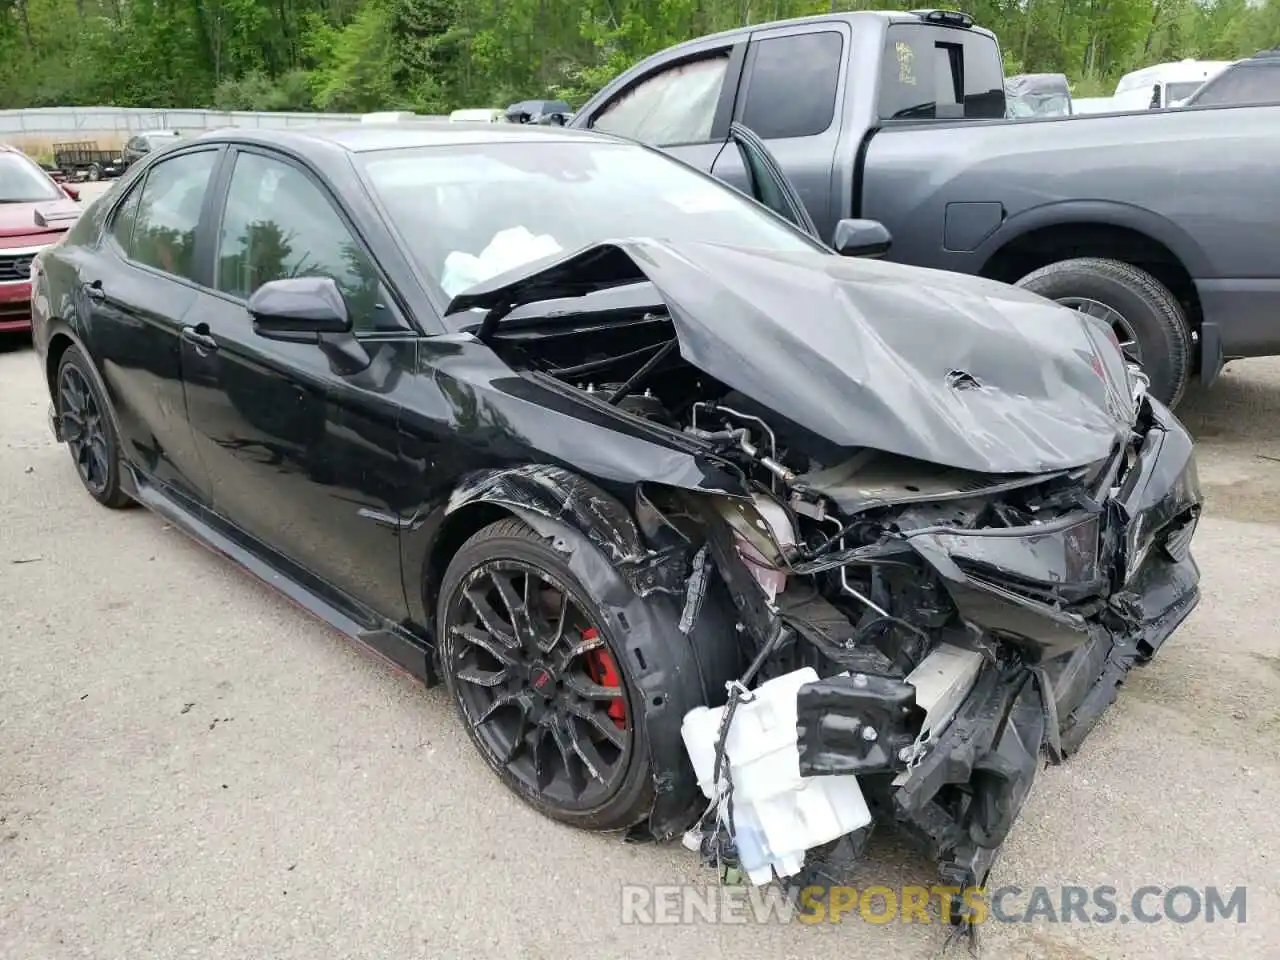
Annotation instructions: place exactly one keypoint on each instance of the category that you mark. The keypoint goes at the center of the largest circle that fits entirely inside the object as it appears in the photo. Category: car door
(138, 285)
(300, 445)
(767, 184)
(793, 78)
(682, 105)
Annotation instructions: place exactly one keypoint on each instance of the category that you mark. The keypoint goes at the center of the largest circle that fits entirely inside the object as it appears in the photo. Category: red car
(34, 213)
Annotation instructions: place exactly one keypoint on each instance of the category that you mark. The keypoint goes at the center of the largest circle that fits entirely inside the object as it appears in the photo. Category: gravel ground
(189, 766)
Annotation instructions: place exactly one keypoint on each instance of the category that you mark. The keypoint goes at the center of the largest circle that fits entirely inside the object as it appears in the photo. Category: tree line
(432, 56)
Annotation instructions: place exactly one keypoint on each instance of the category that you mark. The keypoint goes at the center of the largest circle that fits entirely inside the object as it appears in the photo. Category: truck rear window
(940, 73)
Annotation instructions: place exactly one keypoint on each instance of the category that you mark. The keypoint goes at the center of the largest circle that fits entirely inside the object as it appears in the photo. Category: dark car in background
(139, 145)
(546, 112)
(598, 439)
(34, 213)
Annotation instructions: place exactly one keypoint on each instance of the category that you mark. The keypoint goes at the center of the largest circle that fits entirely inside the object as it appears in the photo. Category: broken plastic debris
(777, 814)
(508, 248)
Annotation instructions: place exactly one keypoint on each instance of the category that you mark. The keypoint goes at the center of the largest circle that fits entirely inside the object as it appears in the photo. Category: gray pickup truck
(1163, 223)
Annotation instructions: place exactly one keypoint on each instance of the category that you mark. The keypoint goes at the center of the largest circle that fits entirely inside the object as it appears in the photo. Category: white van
(477, 115)
(388, 116)
(1163, 84)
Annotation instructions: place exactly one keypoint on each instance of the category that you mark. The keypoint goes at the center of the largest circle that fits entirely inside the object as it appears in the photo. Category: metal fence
(38, 126)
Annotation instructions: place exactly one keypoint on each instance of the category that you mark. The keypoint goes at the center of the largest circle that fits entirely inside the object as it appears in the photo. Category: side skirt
(389, 641)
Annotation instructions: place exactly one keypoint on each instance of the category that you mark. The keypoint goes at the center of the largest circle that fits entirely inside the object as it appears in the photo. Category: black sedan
(598, 440)
(139, 145)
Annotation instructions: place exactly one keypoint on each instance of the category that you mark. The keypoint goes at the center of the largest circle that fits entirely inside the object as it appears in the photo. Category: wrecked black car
(613, 450)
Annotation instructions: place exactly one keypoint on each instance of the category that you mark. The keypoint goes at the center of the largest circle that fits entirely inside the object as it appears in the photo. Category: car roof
(368, 137)
(854, 17)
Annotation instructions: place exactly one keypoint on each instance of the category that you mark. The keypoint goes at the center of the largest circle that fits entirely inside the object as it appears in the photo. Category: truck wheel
(95, 172)
(1147, 319)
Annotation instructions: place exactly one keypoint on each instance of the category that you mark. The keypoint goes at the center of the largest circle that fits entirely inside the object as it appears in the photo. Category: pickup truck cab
(898, 117)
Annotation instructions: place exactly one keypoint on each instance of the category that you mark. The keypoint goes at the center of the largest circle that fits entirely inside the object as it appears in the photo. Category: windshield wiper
(919, 110)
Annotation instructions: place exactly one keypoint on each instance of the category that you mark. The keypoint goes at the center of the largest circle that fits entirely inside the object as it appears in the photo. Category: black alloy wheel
(537, 682)
(86, 428)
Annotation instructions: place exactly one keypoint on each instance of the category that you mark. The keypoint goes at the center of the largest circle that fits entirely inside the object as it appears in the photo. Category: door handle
(199, 335)
(94, 291)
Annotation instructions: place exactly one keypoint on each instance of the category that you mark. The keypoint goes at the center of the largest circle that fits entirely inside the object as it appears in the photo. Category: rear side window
(940, 73)
(164, 233)
(125, 218)
(791, 85)
(671, 107)
(1243, 84)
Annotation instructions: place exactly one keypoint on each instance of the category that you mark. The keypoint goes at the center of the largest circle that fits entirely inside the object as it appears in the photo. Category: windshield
(468, 213)
(1040, 105)
(21, 181)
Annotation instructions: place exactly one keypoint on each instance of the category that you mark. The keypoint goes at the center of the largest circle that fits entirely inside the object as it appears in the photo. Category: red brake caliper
(602, 670)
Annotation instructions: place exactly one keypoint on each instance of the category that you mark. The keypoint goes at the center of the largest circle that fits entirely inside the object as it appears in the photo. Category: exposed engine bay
(951, 622)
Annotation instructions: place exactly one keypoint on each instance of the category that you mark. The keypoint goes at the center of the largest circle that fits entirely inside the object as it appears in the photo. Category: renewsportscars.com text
(918, 904)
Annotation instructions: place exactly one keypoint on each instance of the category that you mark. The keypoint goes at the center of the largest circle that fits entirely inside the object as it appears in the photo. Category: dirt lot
(189, 766)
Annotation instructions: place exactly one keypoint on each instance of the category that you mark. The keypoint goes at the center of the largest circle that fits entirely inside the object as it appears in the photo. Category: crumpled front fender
(565, 497)
(557, 494)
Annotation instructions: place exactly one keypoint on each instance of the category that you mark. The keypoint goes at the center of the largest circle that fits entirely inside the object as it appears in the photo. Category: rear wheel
(537, 679)
(88, 431)
(1146, 317)
(95, 172)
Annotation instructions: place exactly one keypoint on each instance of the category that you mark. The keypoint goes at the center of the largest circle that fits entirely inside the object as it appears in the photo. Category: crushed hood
(941, 367)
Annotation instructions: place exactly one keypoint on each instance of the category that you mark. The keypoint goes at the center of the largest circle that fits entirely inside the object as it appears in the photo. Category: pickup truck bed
(1185, 195)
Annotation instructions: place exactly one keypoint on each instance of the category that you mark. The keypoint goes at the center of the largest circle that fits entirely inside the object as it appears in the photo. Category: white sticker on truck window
(906, 63)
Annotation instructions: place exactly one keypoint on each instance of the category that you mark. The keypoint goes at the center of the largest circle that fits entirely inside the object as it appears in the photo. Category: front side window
(1179, 91)
(278, 224)
(466, 213)
(673, 107)
(791, 87)
(168, 212)
(21, 181)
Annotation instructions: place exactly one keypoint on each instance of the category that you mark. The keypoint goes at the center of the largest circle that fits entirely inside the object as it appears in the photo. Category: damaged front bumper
(950, 752)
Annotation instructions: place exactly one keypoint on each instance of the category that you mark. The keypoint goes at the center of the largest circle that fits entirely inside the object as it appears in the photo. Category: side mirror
(299, 308)
(70, 191)
(309, 310)
(861, 238)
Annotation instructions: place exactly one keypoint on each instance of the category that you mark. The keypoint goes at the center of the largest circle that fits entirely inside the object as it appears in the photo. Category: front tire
(540, 683)
(88, 430)
(1147, 318)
